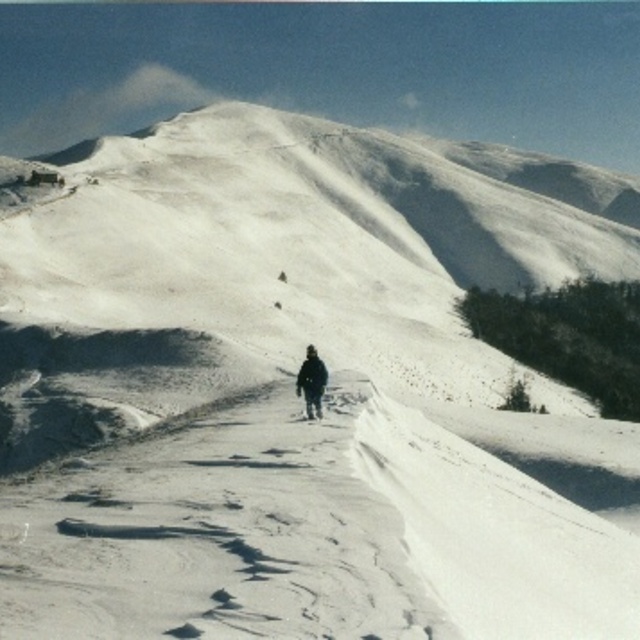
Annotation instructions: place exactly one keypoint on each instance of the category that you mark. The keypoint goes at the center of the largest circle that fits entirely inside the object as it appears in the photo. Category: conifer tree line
(585, 334)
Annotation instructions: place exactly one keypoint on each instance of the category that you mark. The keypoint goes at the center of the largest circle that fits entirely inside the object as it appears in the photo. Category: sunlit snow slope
(190, 224)
(176, 279)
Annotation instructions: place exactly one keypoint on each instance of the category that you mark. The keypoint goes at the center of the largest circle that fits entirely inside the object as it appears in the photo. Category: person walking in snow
(312, 379)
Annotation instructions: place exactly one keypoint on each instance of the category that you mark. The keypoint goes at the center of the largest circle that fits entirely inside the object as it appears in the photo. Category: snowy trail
(242, 520)
(245, 522)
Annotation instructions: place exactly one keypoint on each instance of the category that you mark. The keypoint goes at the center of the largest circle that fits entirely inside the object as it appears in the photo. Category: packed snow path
(246, 521)
(242, 519)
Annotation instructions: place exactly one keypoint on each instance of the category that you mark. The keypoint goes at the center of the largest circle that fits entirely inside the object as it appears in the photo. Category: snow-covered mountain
(175, 279)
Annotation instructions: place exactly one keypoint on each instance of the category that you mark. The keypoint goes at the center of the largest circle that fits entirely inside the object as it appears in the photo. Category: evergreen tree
(586, 334)
(518, 399)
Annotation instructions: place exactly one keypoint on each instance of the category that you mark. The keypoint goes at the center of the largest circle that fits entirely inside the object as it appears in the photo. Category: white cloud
(410, 101)
(153, 84)
(88, 114)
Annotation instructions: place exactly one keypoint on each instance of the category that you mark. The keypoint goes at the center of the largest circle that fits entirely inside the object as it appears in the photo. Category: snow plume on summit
(85, 113)
(490, 215)
(160, 301)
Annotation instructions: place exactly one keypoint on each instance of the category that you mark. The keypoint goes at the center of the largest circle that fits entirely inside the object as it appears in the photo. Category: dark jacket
(313, 375)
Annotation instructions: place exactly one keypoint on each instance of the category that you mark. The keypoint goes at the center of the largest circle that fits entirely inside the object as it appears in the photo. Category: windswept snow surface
(173, 284)
(242, 520)
(506, 557)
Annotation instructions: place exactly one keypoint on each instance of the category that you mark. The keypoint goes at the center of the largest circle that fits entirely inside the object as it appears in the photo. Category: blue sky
(558, 78)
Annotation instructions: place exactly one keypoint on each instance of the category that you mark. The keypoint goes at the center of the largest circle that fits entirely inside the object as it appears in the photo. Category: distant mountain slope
(588, 188)
(480, 227)
(625, 208)
(76, 153)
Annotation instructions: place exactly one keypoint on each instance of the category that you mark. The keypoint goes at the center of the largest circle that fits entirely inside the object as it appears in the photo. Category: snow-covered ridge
(183, 271)
(64, 390)
(472, 204)
(588, 188)
(559, 566)
(244, 520)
